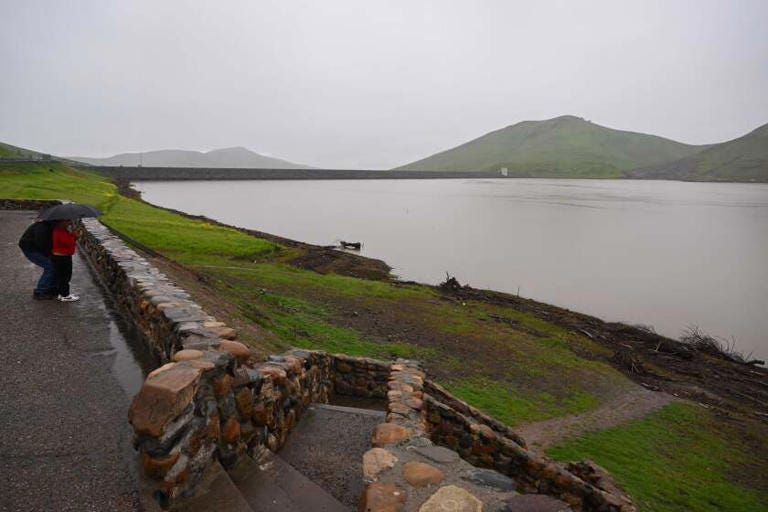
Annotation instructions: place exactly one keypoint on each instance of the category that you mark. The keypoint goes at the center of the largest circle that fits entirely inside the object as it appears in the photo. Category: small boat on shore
(352, 246)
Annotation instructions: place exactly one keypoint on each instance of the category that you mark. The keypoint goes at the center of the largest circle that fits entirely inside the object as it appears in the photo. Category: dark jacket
(38, 238)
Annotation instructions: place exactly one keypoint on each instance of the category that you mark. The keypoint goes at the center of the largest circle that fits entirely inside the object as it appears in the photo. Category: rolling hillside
(227, 157)
(742, 159)
(565, 146)
(13, 152)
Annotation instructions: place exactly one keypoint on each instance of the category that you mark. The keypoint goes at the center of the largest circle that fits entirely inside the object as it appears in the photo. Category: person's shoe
(69, 298)
(43, 296)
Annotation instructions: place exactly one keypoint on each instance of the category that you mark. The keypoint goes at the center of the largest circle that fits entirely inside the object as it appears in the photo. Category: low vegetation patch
(185, 240)
(516, 406)
(699, 340)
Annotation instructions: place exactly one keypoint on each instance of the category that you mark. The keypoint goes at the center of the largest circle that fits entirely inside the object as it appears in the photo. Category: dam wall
(202, 173)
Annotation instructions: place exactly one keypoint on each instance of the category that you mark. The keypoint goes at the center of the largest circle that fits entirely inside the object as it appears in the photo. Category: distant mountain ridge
(235, 157)
(565, 146)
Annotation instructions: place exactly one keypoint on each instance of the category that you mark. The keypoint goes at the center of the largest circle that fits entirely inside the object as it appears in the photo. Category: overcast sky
(370, 84)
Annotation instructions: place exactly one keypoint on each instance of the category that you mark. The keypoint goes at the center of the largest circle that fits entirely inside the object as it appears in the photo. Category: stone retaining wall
(160, 310)
(483, 442)
(27, 204)
(441, 395)
(215, 404)
(420, 413)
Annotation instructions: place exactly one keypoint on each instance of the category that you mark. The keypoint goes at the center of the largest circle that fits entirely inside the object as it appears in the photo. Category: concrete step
(273, 485)
(327, 446)
(216, 492)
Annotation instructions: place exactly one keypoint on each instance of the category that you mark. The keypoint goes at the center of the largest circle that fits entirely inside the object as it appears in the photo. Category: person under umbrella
(49, 243)
(36, 244)
(62, 249)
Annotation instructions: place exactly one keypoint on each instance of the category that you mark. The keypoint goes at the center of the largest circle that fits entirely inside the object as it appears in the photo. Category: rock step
(217, 492)
(327, 446)
(273, 485)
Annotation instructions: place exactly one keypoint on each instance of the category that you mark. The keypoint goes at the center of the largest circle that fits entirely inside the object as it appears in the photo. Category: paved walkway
(65, 380)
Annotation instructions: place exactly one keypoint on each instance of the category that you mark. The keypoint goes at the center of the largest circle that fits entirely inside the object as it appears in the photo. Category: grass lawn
(678, 459)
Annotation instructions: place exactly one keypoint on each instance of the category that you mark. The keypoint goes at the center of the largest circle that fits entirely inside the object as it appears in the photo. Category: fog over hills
(227, 157)
(566, 146)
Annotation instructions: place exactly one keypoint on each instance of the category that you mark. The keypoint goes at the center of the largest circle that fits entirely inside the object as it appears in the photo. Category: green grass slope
(742, 159)
(678, 459)
(565, 146)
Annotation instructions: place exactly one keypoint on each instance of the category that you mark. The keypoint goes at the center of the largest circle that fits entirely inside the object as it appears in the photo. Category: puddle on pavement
(132, 358)
(127, 366)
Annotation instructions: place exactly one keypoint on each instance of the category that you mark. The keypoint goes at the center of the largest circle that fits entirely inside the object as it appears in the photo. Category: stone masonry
(415, 463)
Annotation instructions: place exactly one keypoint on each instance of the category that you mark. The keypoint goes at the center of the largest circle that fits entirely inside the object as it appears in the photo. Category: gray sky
(370, 84)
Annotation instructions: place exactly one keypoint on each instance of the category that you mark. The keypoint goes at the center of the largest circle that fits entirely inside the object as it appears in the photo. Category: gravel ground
(636, 403)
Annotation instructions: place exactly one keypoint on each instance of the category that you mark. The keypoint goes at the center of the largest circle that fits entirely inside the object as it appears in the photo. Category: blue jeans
(46, 285)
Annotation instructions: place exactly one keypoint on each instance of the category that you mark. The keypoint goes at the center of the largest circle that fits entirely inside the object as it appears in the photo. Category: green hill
(565, 146)
(13, 152)
(742, 159)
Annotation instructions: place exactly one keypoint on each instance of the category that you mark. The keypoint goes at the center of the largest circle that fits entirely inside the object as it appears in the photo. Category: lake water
(660, 253)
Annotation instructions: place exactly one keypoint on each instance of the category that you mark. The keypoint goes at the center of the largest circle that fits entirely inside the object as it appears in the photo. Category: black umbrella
(69, 211)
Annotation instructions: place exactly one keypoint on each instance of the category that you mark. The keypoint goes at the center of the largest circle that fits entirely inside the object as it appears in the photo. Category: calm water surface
(660, 253)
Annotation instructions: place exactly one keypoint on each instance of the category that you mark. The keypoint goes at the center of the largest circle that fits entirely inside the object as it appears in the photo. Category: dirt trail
(636, 403)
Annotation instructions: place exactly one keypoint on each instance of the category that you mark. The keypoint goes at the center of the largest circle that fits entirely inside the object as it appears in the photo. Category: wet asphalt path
(65, 444)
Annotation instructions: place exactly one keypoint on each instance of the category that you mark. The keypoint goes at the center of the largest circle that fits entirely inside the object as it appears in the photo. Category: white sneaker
(69, 298)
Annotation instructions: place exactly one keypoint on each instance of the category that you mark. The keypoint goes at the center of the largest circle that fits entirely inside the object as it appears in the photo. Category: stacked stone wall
(161, 311)
(27, 204)
(218, 405)
(439, 394)
(483, 442)
(360, 376)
